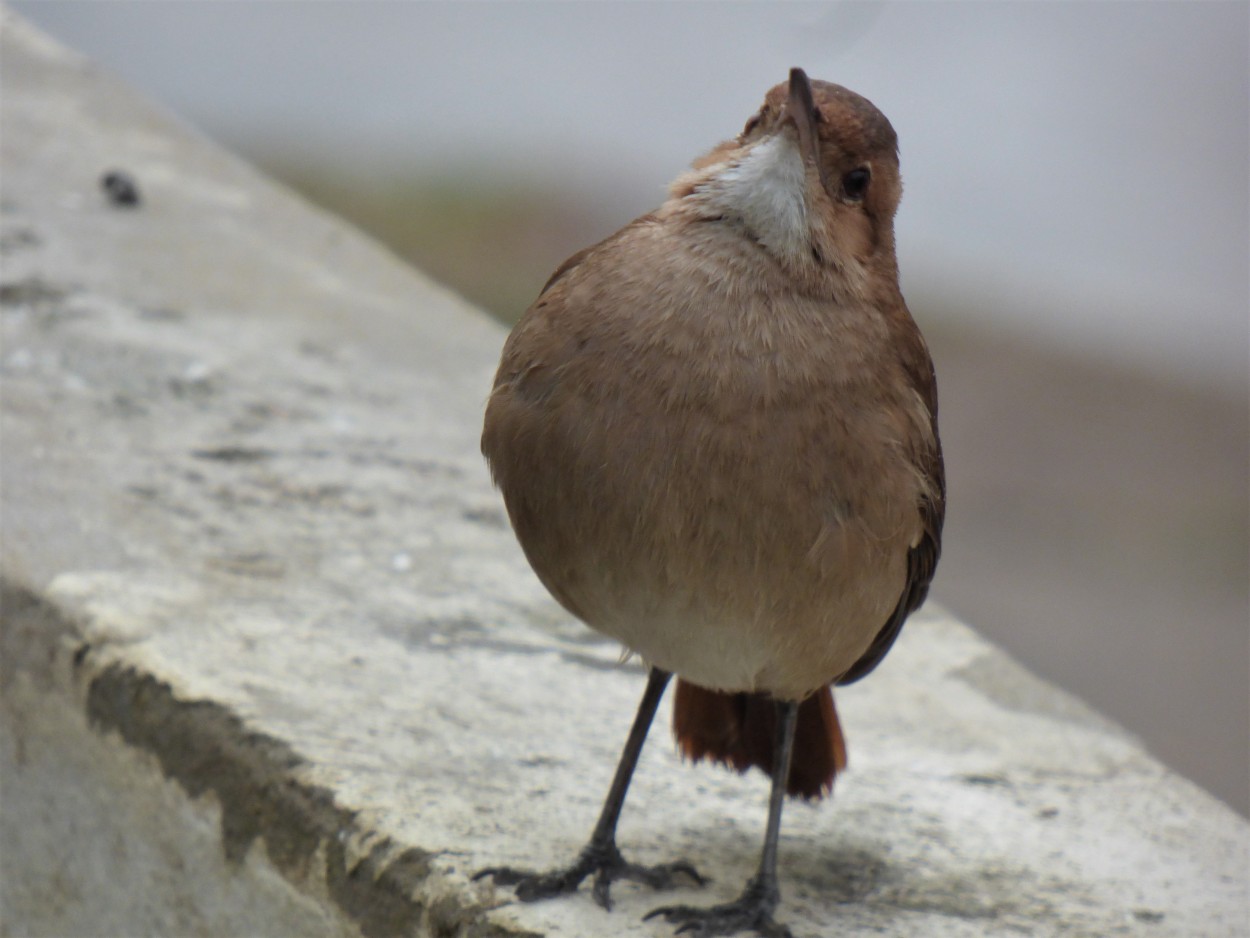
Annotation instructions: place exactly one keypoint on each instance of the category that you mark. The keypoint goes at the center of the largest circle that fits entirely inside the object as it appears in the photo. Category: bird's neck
(769, 193)
(764, 190)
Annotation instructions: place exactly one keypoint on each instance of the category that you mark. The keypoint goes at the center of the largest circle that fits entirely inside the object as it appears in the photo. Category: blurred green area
(494, 242)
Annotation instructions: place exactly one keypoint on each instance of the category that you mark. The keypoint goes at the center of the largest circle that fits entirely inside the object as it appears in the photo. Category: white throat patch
(767, 191)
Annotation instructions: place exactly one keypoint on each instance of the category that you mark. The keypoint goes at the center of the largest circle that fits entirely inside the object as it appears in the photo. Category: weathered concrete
(273, 664)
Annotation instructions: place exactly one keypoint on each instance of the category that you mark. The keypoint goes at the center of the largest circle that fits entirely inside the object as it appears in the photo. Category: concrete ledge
(272, 663)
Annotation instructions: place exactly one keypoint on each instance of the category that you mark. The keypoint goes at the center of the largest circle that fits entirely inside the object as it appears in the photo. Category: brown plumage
(716, 431)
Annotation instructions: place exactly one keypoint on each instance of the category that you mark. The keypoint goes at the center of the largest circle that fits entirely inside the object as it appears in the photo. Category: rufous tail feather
(738, 731)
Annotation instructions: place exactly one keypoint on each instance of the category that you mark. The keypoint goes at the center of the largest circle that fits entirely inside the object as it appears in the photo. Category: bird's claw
(531, 886)
(607, 865)
(752, 911)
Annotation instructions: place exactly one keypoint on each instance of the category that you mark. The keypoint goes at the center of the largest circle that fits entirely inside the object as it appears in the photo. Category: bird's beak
(801, 111)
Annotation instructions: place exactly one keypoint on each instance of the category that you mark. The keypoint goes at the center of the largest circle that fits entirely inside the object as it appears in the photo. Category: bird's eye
(855, 183)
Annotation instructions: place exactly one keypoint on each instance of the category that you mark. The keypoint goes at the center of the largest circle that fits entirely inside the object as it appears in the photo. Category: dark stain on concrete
(17, 239)
(234, 454)
(208, 750)
(30, 292)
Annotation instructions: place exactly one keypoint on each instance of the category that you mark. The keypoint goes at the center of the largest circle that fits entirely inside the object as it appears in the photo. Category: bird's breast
(723, 487)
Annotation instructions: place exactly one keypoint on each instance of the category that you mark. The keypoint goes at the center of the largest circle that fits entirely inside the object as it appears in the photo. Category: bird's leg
(754, 908)
(601, 855)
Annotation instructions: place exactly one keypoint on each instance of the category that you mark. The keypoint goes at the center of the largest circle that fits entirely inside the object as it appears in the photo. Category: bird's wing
(921, 559)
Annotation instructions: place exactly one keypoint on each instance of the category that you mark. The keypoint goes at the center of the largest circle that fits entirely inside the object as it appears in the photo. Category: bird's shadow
(867, 883)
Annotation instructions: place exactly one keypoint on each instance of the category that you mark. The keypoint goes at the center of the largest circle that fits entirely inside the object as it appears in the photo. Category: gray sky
(1078, 170)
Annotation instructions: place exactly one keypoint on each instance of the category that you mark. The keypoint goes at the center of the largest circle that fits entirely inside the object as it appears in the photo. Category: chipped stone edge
(318, 846)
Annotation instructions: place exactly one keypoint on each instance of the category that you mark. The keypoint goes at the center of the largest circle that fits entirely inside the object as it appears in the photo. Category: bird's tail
(738, 731)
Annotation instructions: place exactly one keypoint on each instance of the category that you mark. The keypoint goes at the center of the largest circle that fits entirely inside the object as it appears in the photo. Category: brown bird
(716, 436)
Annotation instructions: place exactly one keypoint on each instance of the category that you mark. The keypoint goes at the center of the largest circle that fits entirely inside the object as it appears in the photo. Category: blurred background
(1074, 240)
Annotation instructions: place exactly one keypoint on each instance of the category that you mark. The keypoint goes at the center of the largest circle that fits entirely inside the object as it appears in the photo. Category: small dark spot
(817, 256)
(128, 406)
(257, 565)
(121, 188)
(29, 292)
(490, 517)
(162, 314)
(315, 350)
(80, 654)
(18, 238)
(263, 410)
(1148, 915)
(988, 780)
(1048, 813)
(234, 453)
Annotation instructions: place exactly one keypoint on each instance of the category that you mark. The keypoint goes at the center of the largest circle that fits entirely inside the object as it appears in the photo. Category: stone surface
(264, 621)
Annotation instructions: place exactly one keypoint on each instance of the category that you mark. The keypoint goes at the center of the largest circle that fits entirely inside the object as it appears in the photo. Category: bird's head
(813, 178)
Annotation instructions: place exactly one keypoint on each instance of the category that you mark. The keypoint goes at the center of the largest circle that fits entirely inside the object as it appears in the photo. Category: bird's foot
(752, 911)
(608, 866)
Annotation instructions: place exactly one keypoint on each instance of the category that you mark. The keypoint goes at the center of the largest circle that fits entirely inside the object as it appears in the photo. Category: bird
(715, 435)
